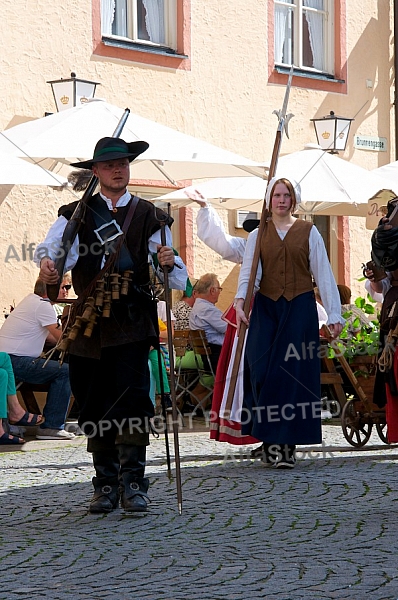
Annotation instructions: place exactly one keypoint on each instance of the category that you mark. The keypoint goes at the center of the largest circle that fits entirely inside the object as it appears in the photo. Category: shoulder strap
(119, 245)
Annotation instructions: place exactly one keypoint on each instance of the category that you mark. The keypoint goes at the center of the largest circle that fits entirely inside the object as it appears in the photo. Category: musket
(172, 379)
(74, 223)
(283, 120)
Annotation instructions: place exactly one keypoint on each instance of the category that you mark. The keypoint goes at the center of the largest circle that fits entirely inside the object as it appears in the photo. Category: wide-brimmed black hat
(110, 148)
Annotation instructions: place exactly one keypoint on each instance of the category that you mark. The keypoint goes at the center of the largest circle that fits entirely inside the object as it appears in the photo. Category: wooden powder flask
(126, 280)
(115, 286)
(99, 293)
(75, 329)
(90, 325)
(64, 345)
(106, 309)
(89, 309)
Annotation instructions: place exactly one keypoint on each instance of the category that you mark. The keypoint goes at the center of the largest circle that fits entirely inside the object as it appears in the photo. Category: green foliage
(356, 338)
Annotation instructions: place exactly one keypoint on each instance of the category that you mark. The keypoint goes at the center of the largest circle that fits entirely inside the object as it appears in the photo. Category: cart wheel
(382, 432)
(356, 430)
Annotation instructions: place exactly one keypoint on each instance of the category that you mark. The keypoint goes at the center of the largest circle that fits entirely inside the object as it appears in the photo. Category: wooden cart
(359, 413)
(354, 393)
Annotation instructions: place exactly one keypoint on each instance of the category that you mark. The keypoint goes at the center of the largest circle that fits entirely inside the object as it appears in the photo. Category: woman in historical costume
(281, 400)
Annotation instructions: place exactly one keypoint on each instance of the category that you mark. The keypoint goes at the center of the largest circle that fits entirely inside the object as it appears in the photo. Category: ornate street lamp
(72, 92)
(332, 132)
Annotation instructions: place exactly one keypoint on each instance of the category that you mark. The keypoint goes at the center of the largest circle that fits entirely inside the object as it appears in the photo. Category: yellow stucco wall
(224, 99)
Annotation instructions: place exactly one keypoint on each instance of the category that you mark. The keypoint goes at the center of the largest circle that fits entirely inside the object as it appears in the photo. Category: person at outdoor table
(281, 402)
(9, 405)
(357, 318)
(206, 316)
(183, 307)
(22, 336)
(109, 371)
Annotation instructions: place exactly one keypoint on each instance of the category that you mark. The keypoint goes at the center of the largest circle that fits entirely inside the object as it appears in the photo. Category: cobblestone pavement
(326, 530)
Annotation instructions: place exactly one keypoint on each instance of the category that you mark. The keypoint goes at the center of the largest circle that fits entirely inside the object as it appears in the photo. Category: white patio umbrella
(329, 186)
(389, 172)
(71, 135)
(15, 171)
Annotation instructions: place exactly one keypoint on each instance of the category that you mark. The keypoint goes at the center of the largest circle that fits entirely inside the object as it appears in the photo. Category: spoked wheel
(356, 428)
(381, 429)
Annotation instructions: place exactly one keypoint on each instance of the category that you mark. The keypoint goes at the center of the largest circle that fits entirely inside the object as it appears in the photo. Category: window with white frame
(152, 22)
(304, 34)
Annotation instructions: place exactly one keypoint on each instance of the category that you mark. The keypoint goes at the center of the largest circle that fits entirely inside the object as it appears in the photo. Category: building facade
(213, 70)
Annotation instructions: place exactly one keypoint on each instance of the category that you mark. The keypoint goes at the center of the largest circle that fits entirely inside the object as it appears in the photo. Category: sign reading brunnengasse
(368, 142)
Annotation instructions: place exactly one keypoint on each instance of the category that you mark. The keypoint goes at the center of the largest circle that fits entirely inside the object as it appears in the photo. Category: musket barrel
(73, 225)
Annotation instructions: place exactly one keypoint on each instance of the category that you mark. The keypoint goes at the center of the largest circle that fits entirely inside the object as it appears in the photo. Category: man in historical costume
(109, 370)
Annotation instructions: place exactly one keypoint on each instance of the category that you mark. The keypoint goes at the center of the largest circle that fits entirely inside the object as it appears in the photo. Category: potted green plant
(359, 342)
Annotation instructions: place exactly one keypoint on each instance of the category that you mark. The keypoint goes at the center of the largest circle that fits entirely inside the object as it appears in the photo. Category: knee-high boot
(106, 488)
(133, 484)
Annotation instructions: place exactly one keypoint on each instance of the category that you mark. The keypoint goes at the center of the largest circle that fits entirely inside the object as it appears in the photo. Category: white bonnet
(295, 184)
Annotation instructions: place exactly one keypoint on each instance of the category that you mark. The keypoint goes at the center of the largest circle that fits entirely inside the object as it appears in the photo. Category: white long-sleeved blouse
(319, 267)
(51, 245)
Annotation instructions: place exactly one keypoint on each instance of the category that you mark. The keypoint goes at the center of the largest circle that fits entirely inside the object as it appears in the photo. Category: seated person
(9, 405)
(163, 337)
(206, 316)
(357, 318)
(154, 367)
(182, 309)
(22, 336)
(66, 285)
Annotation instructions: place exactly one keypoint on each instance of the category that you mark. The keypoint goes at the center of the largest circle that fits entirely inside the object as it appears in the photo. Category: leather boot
(133, 484)
(106, 495)
(106, 489)
(133, 493)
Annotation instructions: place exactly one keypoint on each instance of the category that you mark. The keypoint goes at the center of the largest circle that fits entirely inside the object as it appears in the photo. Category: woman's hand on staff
(240, 314)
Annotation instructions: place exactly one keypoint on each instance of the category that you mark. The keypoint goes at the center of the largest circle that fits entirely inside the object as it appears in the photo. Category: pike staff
(283, 120)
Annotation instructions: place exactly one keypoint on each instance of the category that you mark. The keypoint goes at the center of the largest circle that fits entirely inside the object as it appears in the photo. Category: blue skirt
(282, 389)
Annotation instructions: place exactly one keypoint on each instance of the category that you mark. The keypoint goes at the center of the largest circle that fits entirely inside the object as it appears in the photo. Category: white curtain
(107, 15)
(283, 44)
(154, 20)
(315, 28)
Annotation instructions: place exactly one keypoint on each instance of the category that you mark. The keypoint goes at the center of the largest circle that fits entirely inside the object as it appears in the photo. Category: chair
(27, 393)
(205, 371)
(186, 373)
